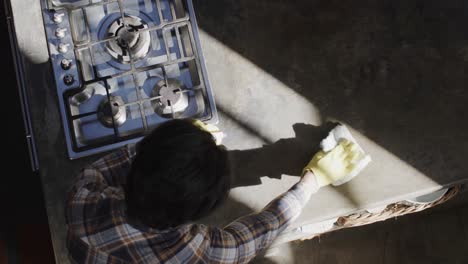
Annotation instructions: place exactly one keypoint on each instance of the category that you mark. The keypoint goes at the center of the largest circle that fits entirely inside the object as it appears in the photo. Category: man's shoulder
(122, 240)
(115, 158)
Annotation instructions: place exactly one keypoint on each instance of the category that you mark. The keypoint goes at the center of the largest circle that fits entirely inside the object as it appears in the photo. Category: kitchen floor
(24, 232)
(439, 235)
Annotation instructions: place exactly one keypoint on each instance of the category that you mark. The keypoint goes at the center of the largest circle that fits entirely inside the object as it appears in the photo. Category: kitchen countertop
(394, 72)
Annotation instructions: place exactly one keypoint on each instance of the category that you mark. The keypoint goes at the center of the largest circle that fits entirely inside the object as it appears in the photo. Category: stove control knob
(60, 32)
(63, 48)
(66, 64)
(68, 79)
(58, 18)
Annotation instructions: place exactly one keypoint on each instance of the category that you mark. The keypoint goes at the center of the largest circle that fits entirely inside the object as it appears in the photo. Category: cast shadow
(283, 157)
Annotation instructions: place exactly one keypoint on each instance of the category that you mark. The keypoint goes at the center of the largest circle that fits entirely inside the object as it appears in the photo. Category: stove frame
(183, 24)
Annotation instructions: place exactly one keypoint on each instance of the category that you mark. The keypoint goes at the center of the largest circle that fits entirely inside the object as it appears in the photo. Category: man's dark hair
(178, 175)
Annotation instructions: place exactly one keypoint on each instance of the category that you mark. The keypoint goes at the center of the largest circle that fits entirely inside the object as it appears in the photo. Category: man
(138, 205)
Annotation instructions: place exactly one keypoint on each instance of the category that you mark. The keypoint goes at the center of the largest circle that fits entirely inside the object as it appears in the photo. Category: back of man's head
(178, 175)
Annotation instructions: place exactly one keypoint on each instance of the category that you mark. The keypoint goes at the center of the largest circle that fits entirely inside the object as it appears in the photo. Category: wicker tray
(391, 211)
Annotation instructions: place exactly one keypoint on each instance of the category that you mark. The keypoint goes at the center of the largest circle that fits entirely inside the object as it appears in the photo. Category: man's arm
(242, 240)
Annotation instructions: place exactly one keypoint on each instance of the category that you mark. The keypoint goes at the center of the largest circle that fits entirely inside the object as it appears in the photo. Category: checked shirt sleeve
(243, 239)
(96, 189)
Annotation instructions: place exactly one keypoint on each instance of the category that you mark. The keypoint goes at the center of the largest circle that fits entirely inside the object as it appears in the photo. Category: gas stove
(122, 67)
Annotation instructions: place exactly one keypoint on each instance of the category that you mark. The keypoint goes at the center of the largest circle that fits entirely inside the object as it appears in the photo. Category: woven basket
(391, 211)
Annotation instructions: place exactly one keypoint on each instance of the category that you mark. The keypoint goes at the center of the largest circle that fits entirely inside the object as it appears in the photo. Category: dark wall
(20, 189)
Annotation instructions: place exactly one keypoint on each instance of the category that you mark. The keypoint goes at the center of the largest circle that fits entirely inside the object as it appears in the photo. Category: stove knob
(63, 48)
(58, 18)
(66, 64)
(68, 79)
(60, 32)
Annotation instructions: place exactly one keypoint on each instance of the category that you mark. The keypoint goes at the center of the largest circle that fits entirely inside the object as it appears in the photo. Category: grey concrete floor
(24, 231)
(396, 71)
(439, 235)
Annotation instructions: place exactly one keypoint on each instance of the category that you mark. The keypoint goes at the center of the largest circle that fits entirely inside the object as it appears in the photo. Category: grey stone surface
(438, 235)
(394, 71)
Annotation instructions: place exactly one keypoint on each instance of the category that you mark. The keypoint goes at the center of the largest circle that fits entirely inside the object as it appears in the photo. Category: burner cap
(173, 101)
(129, 38)
(113, 110)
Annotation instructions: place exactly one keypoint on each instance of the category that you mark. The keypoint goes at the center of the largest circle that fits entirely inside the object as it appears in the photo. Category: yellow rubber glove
(335, 165)
(214, 130)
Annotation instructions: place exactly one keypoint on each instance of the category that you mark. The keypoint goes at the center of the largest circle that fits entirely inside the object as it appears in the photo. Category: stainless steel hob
(124, 66)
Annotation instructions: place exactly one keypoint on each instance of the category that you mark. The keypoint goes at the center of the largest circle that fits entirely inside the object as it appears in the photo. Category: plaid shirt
(98, 230)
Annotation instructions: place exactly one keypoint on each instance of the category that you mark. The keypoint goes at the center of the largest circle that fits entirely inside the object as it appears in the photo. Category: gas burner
(129, 38)
(173, 101)
(113, 112)
(83, 96)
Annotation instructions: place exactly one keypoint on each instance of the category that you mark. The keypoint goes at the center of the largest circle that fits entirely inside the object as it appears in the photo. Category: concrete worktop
(395, 72)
